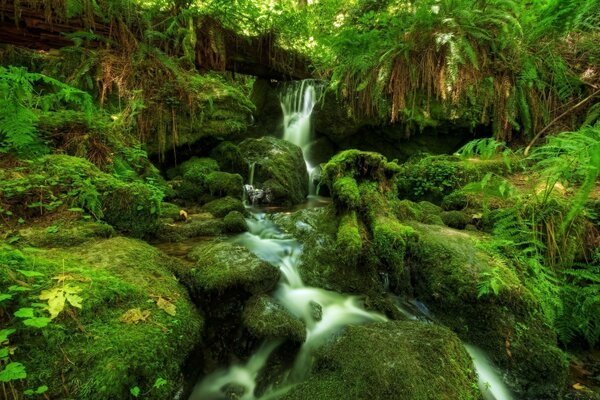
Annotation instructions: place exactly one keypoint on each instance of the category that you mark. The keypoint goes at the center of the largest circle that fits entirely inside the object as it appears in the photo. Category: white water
(297, 104)
(337, 311)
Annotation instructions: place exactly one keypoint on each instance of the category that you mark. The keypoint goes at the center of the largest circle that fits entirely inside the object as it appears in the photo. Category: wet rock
(235, 222)
(266, 318)
(278, 167)
(391, 360)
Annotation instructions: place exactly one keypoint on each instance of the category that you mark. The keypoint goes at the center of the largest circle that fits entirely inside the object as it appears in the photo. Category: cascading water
(337, 311)
(297, 103)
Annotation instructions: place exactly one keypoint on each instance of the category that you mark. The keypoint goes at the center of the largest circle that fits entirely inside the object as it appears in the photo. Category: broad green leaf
(30, 274)
(3, 352)
(15, 288)
(37, 322)
(5, 296)
(39, 390)
(24, 313)
(12, 372)
(5, 333)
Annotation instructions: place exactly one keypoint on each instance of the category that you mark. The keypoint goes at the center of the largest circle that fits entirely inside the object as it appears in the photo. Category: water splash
(297, 102)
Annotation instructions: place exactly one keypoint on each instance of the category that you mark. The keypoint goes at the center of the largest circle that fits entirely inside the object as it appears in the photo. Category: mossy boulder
(346, 191)
(221, 266)
(170, 211)
(455, 219)
(190, 178)
(196, 225)
(235, 222)
(221, 207)
(391, 360)
(224, 184)
(65, 233)
(481, 297)
(230, 158)
(266, 318)
(57, 183)
(279, 167)
(136, 322)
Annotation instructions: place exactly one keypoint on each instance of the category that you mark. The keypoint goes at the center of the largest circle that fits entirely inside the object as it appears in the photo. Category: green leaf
(12, 372)
(159, 382)
(15, 288)
(5, 333)
(3, 352)
(52, 229)
(135, 391)
(5, 296)
(37, 322)
(24, 313)
(39, 390)
(30, 274)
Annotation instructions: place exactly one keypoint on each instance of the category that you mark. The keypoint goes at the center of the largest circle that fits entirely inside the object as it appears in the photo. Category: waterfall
(297, 103)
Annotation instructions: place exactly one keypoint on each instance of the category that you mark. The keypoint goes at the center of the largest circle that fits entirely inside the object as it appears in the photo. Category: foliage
(23, 96)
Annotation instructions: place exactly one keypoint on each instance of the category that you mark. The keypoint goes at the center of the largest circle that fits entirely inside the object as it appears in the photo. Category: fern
(21, 104)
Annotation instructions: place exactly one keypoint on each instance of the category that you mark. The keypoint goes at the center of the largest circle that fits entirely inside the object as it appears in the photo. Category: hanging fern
(23, 96)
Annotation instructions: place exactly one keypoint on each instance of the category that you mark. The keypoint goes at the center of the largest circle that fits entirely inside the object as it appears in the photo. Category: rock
(221, 207)
(265, 318)
(221, 266)
(89, 352)
(224, 184)
(235, 222)
(196, 225)
(455, 219)
(65, 233)
(230, 159)
(391, 360)
(449, 269)
(279, 167)
(192, 184)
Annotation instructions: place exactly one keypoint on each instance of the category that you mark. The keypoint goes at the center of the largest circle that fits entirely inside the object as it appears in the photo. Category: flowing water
(336, 311)
(298, 101)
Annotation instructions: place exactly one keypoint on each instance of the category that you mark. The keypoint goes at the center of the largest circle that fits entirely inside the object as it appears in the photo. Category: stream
(325, 313)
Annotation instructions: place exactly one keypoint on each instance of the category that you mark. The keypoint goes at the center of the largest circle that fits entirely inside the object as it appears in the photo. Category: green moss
(389, 241)
(279, 166)
(222, 265)
(450, 268)
(455, 219)
(195, 226)
(348, 240)
(345, 191)
(89, 352)
(230, 158)
(456, 200)
(65, 233)
(265, 318)
(406, 210)
(224, 184)
(221, 207)
(359, 165)
(391, 360)
(235, 222)
(57, 182)
(193, 173)
(169, 210)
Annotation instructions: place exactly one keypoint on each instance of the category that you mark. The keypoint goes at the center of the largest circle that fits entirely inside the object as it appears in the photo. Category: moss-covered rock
(136, 323)
(345, 190)
(455, 219)
(196, 225)
(391, 360)
(481, 297)
(170, 210)
(221, 207)
(55, 183)
(190, 178)
(224, 184)
(348, 240)
(266, 318)
(230, 158)
(278, 167)
(235, 222)
(220, 266)
(65, 233)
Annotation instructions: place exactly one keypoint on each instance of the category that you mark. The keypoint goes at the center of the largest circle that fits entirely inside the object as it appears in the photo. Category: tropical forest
(300, 199)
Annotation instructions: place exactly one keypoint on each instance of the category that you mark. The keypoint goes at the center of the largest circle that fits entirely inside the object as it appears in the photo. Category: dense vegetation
(129, 122)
